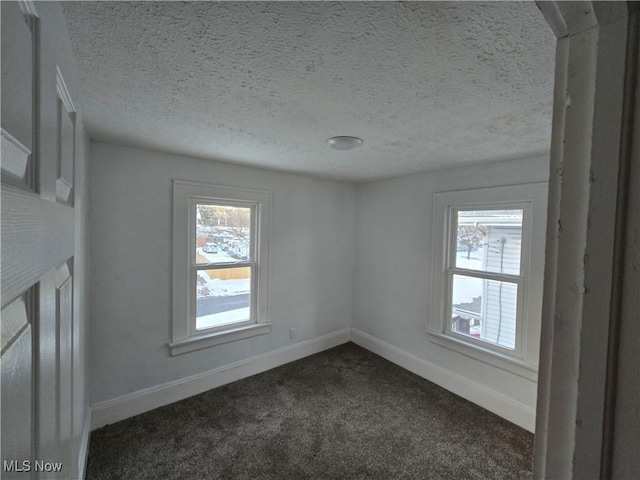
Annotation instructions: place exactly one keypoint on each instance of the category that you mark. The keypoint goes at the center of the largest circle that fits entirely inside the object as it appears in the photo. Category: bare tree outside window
(229, 223)
(471, 237)
(237, 221)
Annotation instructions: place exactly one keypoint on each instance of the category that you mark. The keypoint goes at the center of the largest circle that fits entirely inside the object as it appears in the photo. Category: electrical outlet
(292, 333)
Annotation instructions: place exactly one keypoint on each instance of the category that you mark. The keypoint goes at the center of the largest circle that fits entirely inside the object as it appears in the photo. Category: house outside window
(487, 277)
(220, 264)
(486, 280)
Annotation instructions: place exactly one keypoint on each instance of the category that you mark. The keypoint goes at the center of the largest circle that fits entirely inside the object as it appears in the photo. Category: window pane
(223, 296)
(489, 240)
(485, 309)
(223, 233)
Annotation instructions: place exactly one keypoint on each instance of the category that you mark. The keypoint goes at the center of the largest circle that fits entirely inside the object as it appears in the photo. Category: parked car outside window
(210, 248)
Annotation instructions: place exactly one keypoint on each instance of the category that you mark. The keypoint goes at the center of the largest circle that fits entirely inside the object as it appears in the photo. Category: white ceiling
(426, 85)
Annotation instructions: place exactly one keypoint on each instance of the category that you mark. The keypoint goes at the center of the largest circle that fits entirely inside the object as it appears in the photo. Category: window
(487, 278)
(220, 262)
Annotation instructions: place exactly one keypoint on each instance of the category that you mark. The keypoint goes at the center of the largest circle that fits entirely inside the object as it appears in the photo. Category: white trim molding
(587, 410)
(522, 415)
(135, 403)
(63, 93)
(522, 360)
(218, 338)
(186, 195)
(125, 406)
(83, 454)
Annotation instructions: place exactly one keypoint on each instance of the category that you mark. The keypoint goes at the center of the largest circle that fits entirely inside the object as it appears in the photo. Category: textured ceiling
(425, 84)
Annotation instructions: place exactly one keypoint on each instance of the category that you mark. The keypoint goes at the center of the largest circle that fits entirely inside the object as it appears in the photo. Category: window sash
(450, 270)
(252, 262)
(499, 277)
(220, 266)
(452, 228)
(254, 224)
(194, 296)
(518, 280)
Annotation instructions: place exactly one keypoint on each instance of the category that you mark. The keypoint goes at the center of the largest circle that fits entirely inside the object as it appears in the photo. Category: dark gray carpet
(341, 414)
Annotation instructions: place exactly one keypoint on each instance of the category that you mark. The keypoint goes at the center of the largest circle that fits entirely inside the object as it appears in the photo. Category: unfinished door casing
(44, 408)
(580, 414)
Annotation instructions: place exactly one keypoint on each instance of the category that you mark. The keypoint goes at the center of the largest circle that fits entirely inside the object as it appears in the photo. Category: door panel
(17, 420)
(36, 236)
(38, 244)
(47, 368)
(15, 318)
(15, 160)
(64, 322)
(17, 132)
(18, 46)
(66, 141)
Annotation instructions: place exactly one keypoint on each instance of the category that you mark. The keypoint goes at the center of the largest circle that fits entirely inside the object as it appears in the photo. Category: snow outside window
(220, 291)
(487, 278)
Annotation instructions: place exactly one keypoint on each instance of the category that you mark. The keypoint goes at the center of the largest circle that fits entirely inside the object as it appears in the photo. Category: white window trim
(185, 337)
(523, 361)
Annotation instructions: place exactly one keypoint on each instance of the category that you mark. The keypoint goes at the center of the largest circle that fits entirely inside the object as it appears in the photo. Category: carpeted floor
(341, 414)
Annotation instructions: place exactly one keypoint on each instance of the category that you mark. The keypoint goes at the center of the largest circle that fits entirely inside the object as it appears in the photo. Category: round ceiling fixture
(344, 143)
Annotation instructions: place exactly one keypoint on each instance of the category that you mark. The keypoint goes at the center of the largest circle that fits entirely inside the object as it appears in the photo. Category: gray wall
(393, 266)
(311, 265)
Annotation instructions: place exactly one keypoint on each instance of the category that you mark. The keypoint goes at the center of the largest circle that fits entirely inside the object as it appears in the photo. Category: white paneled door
(38, 161)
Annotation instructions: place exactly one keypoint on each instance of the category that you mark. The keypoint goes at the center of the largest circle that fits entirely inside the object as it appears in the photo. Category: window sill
(486, 355)
(217, 338)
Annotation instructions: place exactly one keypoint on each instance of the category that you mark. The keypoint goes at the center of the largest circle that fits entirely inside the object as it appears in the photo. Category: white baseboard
(498, 403)
(83, 453)
(135, 403)
(120, 408)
